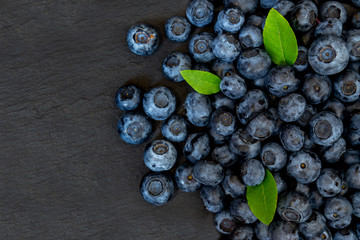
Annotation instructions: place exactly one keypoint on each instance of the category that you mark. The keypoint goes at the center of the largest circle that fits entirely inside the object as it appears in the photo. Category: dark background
(64, 171)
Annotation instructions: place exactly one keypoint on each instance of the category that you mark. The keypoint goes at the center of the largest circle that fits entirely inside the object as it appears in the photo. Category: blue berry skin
(243, 145)
(255, 20)
(292, 138)
(267, 4)
(331, 26)
(222, 68)
(128, 97)
(340, 223)
(303, 16)
(220, 100)
(254, 102)
(324, 234)
(224, 156)
(246, 6)
(356, 20)
(240, 209)
(333, 9)
(336, 107)
(351, 156)
(333, 153)
(184, 178)
(273, 156)
(197, 147)
(284, 7)
(316, 200)
(304, 189)
(200, 12)
(262, 126)
(313, 226)
(316, 88)
(160, 155)
(281, 81)
(252, 172)
(174, 63)
(356, 2)
(325, 128)
(345, 235)
(175, 128)
(200, 47)
(329, 183)
(208, 173)
(233, 86)
(354, 131)
(142, 39)
(201, 67)
(177, 29)
(301, 63)
(230, 19)
(217, 138)
(213, 198)
(242, 233)
(159, 103)
(294, 207)
(156, 188)
(217, 29)
(280, 183)
(347, 86)
(328, 55)
(250, 37)
(198, 109)
(283, 230)
(224, 222)
(304, 166)
(134, 128)
(262, 231)
(233, 185)
(226, 47)
(337, 208)
(254, 63)
(353, 176)
(291, 107)
(355, 202)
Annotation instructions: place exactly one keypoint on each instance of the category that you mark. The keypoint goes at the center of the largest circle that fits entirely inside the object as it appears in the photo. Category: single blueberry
(292, 138)
(213, 198)
(353, 44)
(262, 126)
(294, 207)
(173, 64)
(310, 111)
(355, 202)
(254, 102)
(240, 209)
(222, 68)
(333, 153)
(262, 231)
(175, 128)
(247, 6)
(254, 63)
(142, 39)
(156, 188)
(325, 128)
(197, 147)
(347, 86)
(128, 97)
(354, 130)
(353, 176)
(159, 103)
(267, 4)
(233, 86)
(177, 29)
(291, 107)
(337, 208)
(200, 47)
(351, 156)
(280, 183)
(233, 185)
(281, 81)
(273, 156)
(313, 226)
(333, 9)
(230, 19)
(252, 172)
(200, 12)
(345, 234)
(283, 230)
(222, 101)
(243, 145)
(301, 63)
(331, 26)
(316, 88)
(208, 173)
(184, 178)
(217, 138)
(134, 128)
(304, 166)
(224, 156)
(340, 223)
(160, 155)
(242, 233)
(336, 107)
(329, 183)
(198, 109)
(250, 37)
(224, 222)
(255, 20)
(284, 7)
(226, 47)
(304, 15)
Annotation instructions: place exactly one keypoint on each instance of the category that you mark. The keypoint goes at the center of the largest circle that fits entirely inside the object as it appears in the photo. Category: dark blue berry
(291, 107)
(345, 234)
(213, 198)
(354, 130)
(200, 47)
(284, 7)
(283, 230)
(222, 68)
(217, 138)
(142, 39)
(250, 37)
(156, 188)
(254, 63)
(224, 222)
(356, 2)
(292, 138)
(325, 128)
(310, 111)
(301, 63)
(255, 20)
(347, 86)
(240, 209)
(304, 15)
(294, 207)
(351, 156)
(267, 4)
(243, 145)
(337, 208)
(353, 176)
(200, 12)
(262, 126)
(175, 128)
(198, 109)
(316, 88)
(328, 183)
(173, 64)
(128, 97)
(315, 225)
(247, 6)
(159, 103)
(177, 29)
(262, 231)
(355, 202)
(134, 128)
(333, 153)
(233, 185)
(304, 166)
(160, 155)
(208, 173)
(273, 156)
(340, 223)
(356, 20)
(252, 172)
(230, 19)
(280, 183)
(184, 178)
(331, 26)
(242, 232)
(281, 81)
(222, 101)
(226, 47)
(224, 156)
(254, 102)
(197, 147)
(233, 86)
(333, 9)
(336, 107)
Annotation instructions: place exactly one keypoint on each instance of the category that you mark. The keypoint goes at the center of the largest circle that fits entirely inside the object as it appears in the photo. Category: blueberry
(160, 155)
(230, 19)
(273, 156)
(262, 126)
(177, 29)
(267, 4)
(304, 15)
(240, 209)
(226, 47)
(356, 20)
(222, 68)
(291, 107)
(243, 145)
(262, 231)
(304, 166)
(254, 63)
(159, 103)
(201, 67)
(351, 156)
(336, 107)
(175, 128)
(347, 86)
(217, 138)
(142, 39)
(280, 183)
(292, 138)
(247, 6)
(333, 153)
(200, 12)
(233, 185)
(184, 178)
(283, 230)
(156, 188)
(340, 223)
(328, 55)
(328, 183)
(233, 86)
(316, 88)
(314, 225)
(331, 26)
(250, 37)
(337, 208)
(213, 198)
(333, 9)
(242, 233)
(255, 20)
(355, 202)
(353, 176)
(224, 222)
(200, 47)
(224, 156)
(197, 147)
(173, 64)
(354, 130)
(208, 173)
(324, 234)
(134, 128)
(254, 102)
(301, 63)
(356, 2)
(252, 172)
(281, 81)
(128, 97)
(284, 7)
(222, 101)
(294, 207)
(198, 109)
(316, 200)
(325, 128)
(345, 235)
(308, 143)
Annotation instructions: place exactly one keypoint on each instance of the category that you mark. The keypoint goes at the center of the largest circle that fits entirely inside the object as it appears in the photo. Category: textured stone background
(64, 172)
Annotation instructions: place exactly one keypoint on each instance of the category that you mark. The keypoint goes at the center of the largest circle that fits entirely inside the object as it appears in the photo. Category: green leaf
(201, 81)
(262, 199)
(279, 39)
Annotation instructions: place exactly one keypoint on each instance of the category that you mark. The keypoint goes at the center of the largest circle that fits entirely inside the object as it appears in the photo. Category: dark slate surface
(65, 173)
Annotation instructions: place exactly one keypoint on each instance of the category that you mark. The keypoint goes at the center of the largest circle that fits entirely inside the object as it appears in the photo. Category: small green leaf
(262, 199)
(279, 39)
(201, 81)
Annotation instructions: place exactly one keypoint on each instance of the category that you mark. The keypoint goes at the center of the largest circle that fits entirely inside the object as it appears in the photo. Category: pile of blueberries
(301, 122)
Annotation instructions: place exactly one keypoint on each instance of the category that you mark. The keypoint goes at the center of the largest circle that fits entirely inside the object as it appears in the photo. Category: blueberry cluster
(302, 122)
